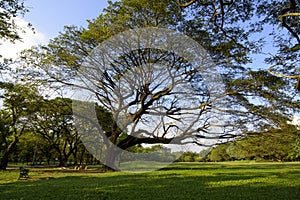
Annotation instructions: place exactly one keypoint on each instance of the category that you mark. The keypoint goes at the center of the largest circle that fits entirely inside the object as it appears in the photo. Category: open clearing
(230, 180)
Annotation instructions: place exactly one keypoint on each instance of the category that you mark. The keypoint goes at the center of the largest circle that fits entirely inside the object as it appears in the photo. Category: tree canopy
(275, 22)
(20, 105)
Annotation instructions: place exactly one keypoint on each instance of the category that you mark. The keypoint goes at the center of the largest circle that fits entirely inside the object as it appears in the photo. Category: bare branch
(297, 76)
(284, 14)
(290, 15)
(186, 4)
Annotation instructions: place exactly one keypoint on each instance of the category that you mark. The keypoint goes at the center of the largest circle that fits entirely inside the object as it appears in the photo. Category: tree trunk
(81, 157)
(74, 153)
(4, 159)
(111, 159)
(61, 160)
(61, 163)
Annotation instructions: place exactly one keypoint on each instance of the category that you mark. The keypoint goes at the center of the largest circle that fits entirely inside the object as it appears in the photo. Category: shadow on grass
(229, 165)
(202, 183)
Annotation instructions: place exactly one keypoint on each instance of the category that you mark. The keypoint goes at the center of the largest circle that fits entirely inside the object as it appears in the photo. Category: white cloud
(295, 121)
(29, 39)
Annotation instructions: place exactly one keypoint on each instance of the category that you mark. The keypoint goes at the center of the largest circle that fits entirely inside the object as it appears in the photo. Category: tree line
(35, 129)
(38, 131)
(272, 145)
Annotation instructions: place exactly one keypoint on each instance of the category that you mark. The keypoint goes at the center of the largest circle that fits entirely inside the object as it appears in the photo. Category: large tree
(167, 92)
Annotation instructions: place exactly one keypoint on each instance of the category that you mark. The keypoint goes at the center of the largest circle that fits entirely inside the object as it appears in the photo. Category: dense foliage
(272, 145)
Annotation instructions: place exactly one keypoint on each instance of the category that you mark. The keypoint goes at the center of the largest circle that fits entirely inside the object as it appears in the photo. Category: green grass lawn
(232, 180)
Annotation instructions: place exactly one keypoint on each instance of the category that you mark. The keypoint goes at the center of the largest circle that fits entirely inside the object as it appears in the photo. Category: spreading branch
(186, 4)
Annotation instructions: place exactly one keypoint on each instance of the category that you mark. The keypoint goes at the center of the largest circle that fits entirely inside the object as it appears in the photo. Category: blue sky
(50, 16)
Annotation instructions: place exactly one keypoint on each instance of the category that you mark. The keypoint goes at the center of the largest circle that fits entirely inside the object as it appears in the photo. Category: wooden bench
(23, 173)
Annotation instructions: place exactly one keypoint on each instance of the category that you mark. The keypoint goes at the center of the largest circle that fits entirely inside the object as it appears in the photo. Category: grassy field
(178, 181)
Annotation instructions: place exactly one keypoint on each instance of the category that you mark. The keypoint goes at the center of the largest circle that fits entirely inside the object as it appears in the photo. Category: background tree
(20, 103)
(54, 123)
(189, 157)
(34, 150)
(271, 145)
(295, 153)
